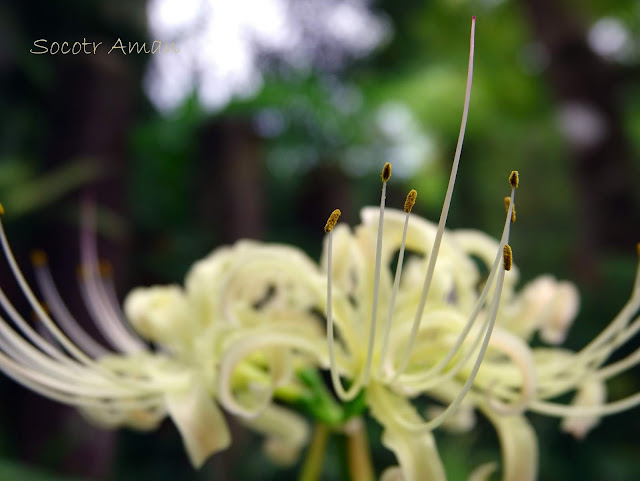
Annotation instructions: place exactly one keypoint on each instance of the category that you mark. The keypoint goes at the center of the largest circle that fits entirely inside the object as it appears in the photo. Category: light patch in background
(401, 141)
(221, 43)
(409, 149)
(534, 58)
(610, 38)
(581, 124)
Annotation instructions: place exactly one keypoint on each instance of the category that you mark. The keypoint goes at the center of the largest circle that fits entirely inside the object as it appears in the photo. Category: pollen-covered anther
(638, 249)
(386, 172)
(332, 221)
(81, 271)
(508, 257)
(411, 200)
(507, 203)
(514, 179)
(1, 209)
(105, 269)
(38, 258)
(36, 316)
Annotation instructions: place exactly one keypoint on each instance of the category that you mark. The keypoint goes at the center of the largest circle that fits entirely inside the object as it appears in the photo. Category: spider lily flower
(127, 386)
(470, 351)
(434, 328)
(134, 386)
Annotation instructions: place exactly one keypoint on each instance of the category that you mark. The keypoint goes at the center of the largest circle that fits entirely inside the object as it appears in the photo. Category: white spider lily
(131, 385)
(247, 289)
(430, 330)
(126, 386)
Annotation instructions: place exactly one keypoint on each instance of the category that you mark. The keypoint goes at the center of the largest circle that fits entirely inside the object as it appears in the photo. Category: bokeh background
(273, 113)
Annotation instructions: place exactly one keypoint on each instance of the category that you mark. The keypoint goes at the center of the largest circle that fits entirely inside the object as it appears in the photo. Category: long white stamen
(29, 333)
(519, 352)
(562, 410)
(386, 174)
(445, 210)
(68, 395)
(333, 369)
(422, 377)
(94, 295)
(18, 348)
(61, 312)
(112, 300)
(529, 382)
(66, 367)
(35, 305)
(450, 409)
(493, 313)
(411, 198)
(32, 359)
(598, 350)
(636, 284)
(585, 365)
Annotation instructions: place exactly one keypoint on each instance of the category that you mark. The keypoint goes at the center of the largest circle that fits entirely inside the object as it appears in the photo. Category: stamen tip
(638, 249)
(36, 316)
(332, 221)
(507, 203)
(38, 258)
(411, 200)
(80, 271)
(514, 179)
(508, 257)
(105, 268)
(386, 172)
(1, 209)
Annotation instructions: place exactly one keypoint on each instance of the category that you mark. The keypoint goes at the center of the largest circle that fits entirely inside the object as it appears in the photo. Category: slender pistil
(408, 206)
(445, 211)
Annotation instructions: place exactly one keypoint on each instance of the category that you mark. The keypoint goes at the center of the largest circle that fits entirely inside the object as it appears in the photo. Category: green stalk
(312, 467)
(358, 452)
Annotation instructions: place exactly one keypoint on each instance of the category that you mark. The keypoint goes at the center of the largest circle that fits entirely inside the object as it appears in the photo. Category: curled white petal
(591, 393)
(563, 310)
(287, 433)
(393, 473)
(518, 444)
(158, 313)
(416, 452)
(202, 426)
(482, 472)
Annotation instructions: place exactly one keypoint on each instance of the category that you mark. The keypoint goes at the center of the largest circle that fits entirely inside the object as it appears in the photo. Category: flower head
(245, 333)
(131, 384)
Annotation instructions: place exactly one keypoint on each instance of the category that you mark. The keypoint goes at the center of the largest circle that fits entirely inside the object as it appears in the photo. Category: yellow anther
(508, 257)
(34, 314)
(386, 172)
(105, 269)
(332, 221)
(411, 200)
(38, 258)
(638, 248)
(1, 209)
(507, 203)
(514, 179)
(80, 271)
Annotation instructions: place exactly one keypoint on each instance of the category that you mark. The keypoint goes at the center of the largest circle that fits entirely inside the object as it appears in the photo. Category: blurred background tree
(275, 112)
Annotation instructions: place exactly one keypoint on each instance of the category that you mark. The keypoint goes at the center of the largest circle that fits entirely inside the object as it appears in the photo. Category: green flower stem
(312, 467)
(358, 452)
(321, 405)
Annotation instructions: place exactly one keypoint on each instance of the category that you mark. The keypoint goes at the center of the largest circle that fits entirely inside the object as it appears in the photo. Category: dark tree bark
(605, 178)
(231, 183)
